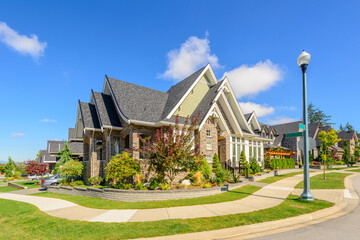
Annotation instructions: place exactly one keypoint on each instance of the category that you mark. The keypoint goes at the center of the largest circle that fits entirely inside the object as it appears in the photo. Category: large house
(49, 155)
(114, 118)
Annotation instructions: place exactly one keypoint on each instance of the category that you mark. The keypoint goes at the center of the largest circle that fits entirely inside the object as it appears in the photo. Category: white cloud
(17, 135)
(193, 54)
(260, 110)
(282, 120)
(286, 108)
(48, 120)
(249, 80)
(21, 43)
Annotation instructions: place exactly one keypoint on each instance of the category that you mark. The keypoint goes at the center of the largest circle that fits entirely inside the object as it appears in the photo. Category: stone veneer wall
(141, 195)
(209, 125)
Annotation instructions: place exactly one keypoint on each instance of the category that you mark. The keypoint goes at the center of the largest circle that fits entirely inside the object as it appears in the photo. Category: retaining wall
(141, 195)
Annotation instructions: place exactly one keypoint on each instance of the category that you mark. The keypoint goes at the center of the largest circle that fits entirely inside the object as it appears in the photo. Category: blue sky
(52, 53)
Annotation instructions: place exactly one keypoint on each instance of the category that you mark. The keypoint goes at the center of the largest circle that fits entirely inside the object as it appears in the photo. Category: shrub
(123, 186)
(164, 186)
(216, 165)
(156, 181)
(197, 178)
(207, 185)
(280, 163)
(71, 169)
(140, 186)
(223, 175)
(122, 168)
(340, 163)
(139, 178)
(78, 183)
(254, 165)
(206, 170)
(10, 178)
(95, 181)
(235, 177)
(267, 163)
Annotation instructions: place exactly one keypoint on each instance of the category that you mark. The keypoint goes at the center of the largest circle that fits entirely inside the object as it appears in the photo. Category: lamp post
(303, 62)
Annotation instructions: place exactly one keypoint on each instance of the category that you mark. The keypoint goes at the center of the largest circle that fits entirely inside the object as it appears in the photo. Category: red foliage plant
(33, 167)
(172, 151)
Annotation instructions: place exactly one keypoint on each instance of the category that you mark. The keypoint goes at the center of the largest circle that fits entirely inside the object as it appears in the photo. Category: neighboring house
(336, 152)
(53, 147)
(350, 137)
(113, 119)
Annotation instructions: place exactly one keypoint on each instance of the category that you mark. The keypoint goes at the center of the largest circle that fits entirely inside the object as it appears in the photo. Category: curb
(340, 208)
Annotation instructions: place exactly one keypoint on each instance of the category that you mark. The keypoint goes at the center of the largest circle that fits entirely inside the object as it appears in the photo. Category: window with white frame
(209, 158)
(208, 133)
(209, 146)
(116, 146)
(237, 145)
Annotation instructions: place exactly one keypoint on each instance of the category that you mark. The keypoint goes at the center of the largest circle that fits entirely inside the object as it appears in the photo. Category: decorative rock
(146, 185)
(186, 182)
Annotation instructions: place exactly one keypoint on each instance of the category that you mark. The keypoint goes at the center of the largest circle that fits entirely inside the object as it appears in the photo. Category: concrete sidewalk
(269, 196)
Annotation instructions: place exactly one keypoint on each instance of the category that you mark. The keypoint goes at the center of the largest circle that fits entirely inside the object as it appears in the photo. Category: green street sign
(296, 134)
(302, 126)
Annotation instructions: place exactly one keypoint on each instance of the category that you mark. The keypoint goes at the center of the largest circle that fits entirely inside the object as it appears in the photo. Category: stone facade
(209, 144)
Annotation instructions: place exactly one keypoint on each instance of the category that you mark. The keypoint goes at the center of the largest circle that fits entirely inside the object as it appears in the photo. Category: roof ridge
(137, 85)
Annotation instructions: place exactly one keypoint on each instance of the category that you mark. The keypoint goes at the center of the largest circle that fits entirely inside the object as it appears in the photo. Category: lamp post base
(307, 196)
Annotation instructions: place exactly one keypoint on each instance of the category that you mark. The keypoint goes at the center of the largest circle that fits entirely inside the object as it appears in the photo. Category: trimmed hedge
(280, 163)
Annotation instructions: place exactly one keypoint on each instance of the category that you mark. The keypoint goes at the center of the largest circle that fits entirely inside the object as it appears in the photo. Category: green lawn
(279, 177)
(20, 220)
(100, 203)
(7, 189)
(341, 168)
(333, 181)
(29, 184)
(354, 170)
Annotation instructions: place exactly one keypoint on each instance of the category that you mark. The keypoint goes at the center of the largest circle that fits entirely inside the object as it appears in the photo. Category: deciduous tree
(71, 169)
(328, 139)
(33, 167)
(173, 151)
(122, 168)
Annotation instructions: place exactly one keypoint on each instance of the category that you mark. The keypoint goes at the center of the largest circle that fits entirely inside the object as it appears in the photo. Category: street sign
(302, 126)
(312, 144)
(296, 134)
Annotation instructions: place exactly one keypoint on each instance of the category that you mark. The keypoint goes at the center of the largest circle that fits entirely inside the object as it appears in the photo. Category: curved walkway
(269, 196)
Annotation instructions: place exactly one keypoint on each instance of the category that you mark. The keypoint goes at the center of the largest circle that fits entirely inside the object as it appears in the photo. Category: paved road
(345, 227)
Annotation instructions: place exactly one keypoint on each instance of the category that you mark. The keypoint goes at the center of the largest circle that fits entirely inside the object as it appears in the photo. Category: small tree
(216, 165)
(33, 167)
(122, 168)
(357, 151)
(172, 152)
(328, 139)
(9, 168)
(346, 155)
(71, 170)
(206, 169)
(243, 161)
(254, 165)
(38, 156)
(64, 155)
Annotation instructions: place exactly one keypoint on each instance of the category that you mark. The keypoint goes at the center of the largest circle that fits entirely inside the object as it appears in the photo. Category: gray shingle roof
(312, 129)
(76, 148)
(346, 135)
(106, 110)
(138, 102)
(71, 133)
(205, 104)
(89, 115)
(177, 91)
(247, 116)
(47, 158)
(54, 146)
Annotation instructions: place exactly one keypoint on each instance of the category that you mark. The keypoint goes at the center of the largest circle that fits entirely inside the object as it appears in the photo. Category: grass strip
(354, 170)
(342, 168)
(333, 181)
(7, 189)
(30, 184)
(20, 220)
(279, 177)
(100, 203)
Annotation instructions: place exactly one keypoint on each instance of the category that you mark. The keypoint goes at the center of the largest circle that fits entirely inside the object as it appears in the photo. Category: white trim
(232, 114)
(253, 114)
(208, 67)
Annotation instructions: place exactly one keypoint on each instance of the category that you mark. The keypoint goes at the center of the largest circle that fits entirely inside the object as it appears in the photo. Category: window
(127, 141)
(208, 132)
(250, 151)
(209, 158)
(116, 146)
(99, 149)
(209, 146)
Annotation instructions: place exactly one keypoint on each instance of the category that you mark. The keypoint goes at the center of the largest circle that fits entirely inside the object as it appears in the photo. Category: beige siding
(193, 99)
